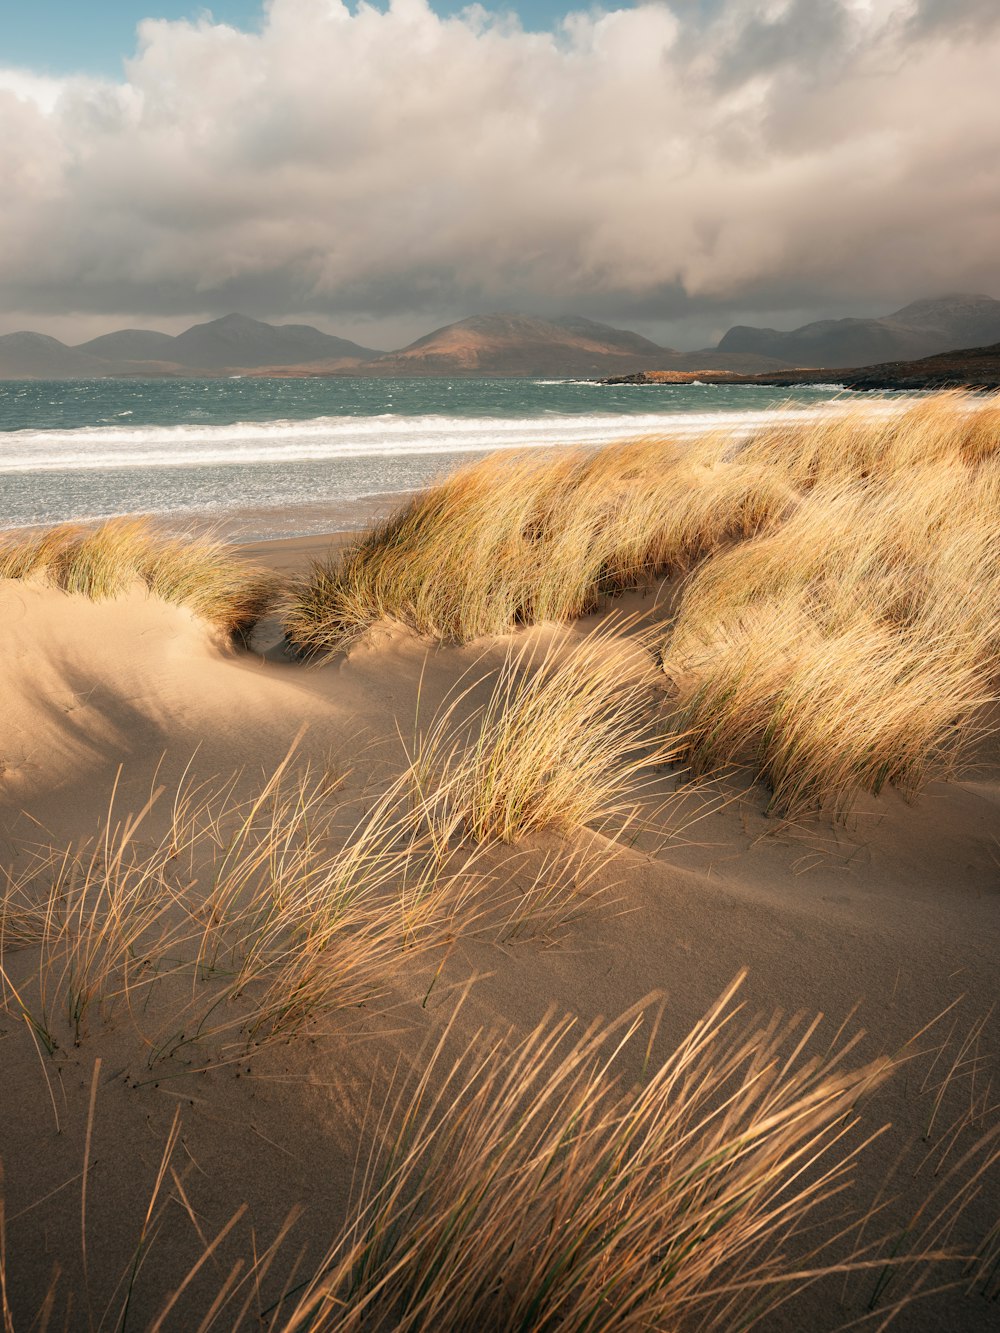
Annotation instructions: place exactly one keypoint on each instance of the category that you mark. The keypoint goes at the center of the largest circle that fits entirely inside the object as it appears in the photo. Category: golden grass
(566, 739)
(857, 444)
(107, 561)
(242, 921)
(523, 538)
(851, 648)
(569, 1179)
(529, 1190)
(837, 628)
(251, 917)
(538, 1182)
(530, 1185)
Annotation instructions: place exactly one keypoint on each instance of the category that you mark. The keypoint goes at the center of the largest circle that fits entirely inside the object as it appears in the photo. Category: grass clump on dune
(108, 560)
(268, 913)
(242, 921)
(526, 537)
(523, 538)
(859, 443)
(533, 1187)
(569, 1179)
(565, 739)
(852, 648)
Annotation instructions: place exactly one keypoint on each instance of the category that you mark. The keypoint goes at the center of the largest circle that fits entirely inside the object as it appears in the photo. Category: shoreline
(272, 525)
(976, 369)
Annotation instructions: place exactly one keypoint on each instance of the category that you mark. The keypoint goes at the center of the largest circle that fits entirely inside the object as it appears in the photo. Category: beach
(127, 718)
(261, 458)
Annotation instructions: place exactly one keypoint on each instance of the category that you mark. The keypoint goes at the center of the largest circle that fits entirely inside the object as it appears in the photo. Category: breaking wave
(95, 448)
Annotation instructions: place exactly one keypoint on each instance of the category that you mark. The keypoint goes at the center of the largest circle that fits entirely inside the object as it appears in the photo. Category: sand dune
(881, 923)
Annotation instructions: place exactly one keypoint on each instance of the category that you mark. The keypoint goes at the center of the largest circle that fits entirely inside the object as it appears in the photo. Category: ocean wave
(93, 448)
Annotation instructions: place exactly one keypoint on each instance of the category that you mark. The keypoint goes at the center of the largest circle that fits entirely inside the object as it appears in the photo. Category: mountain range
(923, 328)
(500, 344)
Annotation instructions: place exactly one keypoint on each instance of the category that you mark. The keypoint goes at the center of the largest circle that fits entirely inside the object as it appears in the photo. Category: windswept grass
(532, 1185)
(107, 561)
(837, 583)
(241, 922)
(853, 647)
(531, 1189)
(575, 1179)
(566, 739)
(950, 427)
(526, 537)
(523, 538)
(251, 917)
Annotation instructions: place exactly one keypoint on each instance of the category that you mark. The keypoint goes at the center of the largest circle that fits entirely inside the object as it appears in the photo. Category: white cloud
(775, 154)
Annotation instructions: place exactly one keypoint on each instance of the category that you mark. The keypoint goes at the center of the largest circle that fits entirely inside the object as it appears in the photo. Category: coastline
(975, 368)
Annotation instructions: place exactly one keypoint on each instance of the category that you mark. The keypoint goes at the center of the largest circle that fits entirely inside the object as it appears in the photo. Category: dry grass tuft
(107, 561)
(518, 539)
(252, 917)
(837, 628)
(567, 1179)
(851, 648)
(950, 427)
(566, 739)
(531, 1186)
(243, 921)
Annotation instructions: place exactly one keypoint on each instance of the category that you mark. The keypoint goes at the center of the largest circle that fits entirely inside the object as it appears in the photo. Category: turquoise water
(271, 456)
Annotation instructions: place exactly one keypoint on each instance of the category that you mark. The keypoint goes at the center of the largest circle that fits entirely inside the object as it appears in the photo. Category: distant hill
(238, 342)
(37, 356)
(965, 368)
(514, 344)
(919, 329)
(970, 367)
(131, 345)
(233, 343)
(505, 344)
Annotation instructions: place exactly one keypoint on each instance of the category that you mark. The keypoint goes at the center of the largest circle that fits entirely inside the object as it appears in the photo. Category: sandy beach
(886, 924)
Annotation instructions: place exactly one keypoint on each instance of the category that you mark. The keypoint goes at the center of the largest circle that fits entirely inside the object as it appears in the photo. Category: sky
(379, 170)
(96, 36)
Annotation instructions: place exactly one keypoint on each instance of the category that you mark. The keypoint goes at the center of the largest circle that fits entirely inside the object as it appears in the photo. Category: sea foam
(93, 448)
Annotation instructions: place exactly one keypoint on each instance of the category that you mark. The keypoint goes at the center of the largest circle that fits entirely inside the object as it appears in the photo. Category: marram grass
(107, 561)
(523, 538)
(854, 647)
(837, 583)
(570, 1180)
(565, 739)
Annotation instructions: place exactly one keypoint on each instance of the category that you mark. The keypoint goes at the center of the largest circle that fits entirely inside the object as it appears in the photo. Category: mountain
(37, 356)
(969, 367)
(131, 345)
(964, 368)
(513, 344)
(505, 344)
(237, 342)
(232, 343)
(922, 328)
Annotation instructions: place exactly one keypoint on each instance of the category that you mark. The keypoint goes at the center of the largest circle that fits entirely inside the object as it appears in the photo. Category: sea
(259, 458)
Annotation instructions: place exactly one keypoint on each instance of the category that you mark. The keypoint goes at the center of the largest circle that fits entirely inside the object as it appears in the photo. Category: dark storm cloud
(654, 162)
(954, 15)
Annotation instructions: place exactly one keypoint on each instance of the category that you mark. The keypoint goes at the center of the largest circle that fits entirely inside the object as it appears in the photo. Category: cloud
(739, 154)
